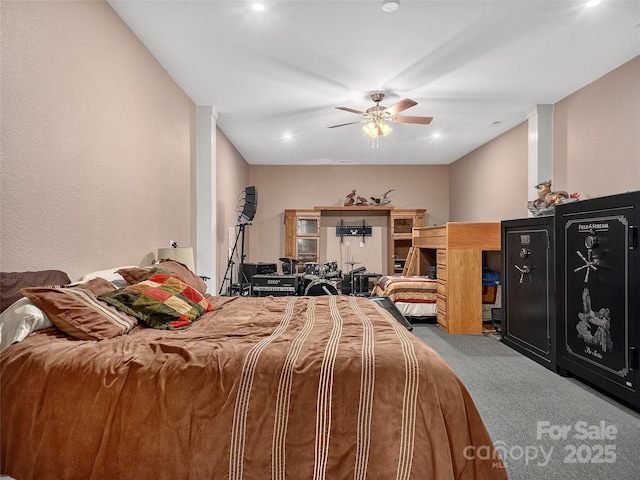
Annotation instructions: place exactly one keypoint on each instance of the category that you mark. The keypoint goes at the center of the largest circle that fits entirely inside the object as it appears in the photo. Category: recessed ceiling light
(258, 7)
(390, 5)
(436, 135)
(592, 3)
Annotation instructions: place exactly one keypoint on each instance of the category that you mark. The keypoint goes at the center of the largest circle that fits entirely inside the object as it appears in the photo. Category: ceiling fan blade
(400, 106)
(347, 109)
(343, 124)
(421, 120)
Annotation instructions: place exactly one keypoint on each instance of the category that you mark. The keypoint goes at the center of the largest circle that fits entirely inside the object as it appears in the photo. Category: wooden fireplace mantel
(356, 208)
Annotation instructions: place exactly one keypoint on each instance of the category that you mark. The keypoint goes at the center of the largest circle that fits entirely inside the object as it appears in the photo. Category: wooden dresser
(458, 250)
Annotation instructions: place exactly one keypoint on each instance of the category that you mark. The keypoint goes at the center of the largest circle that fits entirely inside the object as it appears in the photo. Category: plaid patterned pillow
(160, 300)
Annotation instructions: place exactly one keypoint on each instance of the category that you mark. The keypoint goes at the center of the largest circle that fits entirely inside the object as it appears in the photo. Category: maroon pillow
(11, 282)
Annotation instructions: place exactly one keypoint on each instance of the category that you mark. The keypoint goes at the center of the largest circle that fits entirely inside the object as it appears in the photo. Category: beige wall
(299, 187)
(232, 176)
(597, 135)
(98, 142)
(596, 149)
(490, 183)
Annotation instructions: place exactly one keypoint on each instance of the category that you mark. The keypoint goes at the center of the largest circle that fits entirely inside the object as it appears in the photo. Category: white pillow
(20, 320)
(109, 275)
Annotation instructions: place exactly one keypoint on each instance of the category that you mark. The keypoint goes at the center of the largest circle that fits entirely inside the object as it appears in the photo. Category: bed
(413, 296)
(416, 296)
(271, 387)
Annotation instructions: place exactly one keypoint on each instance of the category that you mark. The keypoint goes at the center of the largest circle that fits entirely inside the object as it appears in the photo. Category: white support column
(206, 262)
(540, 163)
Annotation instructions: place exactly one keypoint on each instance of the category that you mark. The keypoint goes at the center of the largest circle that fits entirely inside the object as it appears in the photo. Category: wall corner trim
(540, 109)
(208, 110)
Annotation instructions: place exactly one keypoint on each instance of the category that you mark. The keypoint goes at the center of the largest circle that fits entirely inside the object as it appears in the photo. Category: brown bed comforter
(406, 289)
(288, 387)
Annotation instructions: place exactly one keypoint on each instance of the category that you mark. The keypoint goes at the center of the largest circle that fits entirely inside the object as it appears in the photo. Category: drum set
(317, 278)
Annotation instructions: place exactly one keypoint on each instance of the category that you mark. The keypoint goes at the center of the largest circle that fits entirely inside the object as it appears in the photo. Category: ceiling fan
(378, 116)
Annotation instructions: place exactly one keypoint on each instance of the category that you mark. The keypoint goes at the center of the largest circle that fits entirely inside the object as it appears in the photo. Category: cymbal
(353, 263)
(289, 260)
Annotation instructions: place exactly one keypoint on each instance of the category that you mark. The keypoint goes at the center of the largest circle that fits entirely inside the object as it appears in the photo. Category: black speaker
(251, 195)
(250, 204)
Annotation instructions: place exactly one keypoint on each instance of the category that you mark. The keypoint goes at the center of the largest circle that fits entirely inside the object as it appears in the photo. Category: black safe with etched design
(528, 288)
(598, 261)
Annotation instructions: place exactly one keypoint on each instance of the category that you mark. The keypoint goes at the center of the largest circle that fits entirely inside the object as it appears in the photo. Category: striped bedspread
(406, 289)
(328, 387)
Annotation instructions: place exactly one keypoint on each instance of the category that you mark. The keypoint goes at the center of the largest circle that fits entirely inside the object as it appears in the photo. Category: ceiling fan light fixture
(371, 129)
(390, 5)
(386, 129)
(376, 117)
(375, 129)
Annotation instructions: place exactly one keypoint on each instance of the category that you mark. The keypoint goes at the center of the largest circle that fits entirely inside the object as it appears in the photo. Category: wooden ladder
(410, 264)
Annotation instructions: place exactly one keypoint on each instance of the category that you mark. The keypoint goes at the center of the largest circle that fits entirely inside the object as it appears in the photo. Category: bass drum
(320, 287)
(304, 282)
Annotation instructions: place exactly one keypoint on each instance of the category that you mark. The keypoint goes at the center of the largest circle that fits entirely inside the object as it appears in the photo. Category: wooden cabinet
(302, 232)
(458, 252)
(401, 225)
(302, 235)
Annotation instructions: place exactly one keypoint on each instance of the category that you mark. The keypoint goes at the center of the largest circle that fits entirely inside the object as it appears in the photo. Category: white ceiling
(476, 66)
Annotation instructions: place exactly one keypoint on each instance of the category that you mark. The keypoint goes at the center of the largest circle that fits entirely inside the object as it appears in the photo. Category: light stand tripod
(228, 275)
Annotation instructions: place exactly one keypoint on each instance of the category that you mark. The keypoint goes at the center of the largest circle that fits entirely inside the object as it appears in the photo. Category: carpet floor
(546, 426)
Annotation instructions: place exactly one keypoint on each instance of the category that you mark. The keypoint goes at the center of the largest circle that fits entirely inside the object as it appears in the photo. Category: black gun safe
(598, 261)
(528, 288)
